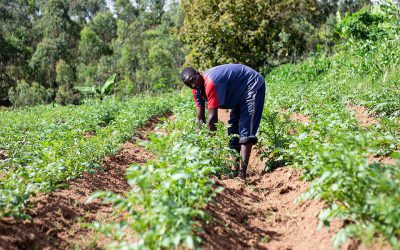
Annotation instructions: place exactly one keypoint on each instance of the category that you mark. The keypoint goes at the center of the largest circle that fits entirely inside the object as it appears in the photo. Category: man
(231, 86)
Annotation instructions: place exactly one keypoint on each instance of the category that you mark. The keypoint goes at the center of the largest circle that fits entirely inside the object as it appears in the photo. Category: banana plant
(99, 91)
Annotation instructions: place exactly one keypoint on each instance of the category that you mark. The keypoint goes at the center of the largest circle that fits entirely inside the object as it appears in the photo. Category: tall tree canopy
(85, 10)
(254, 32)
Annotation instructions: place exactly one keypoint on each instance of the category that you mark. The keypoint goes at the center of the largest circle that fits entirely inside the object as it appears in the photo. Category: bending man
(231, 86)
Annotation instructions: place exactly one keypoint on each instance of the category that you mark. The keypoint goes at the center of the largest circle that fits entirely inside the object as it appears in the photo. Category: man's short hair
(187, 73)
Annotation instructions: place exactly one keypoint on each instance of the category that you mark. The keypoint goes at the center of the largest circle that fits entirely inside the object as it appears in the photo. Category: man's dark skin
(197, 82)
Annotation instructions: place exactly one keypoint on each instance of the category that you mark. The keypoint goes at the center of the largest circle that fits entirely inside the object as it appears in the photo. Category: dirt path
(262, 212)
(58, 216)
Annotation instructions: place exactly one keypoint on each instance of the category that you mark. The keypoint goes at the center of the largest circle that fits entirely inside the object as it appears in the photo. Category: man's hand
(200, 118)
(212, 119)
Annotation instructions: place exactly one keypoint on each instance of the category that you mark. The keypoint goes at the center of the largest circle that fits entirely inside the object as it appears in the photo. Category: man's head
(191, 77)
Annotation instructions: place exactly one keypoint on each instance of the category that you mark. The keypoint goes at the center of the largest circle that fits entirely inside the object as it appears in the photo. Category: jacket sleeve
(211, 93)
(199, 100)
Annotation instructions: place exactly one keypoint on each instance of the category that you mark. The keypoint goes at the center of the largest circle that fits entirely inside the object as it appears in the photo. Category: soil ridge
(262, 213)
(57, 216)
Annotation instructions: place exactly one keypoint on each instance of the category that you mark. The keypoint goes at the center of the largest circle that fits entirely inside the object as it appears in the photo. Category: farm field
(174, 183)
(136, 172)
(43, 146)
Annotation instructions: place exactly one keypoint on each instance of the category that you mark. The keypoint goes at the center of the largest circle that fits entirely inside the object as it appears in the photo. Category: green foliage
(91, 47)
(99, 91)
(125, 88)
(150, 59)
(66, 95)
(17, 41)
(94, 50)
(125, 10)
(64, 74)
(105, 26)
(161, 60)
(256, 33)
(48, 52)
(334, 150)
(138, 39)
(25, 94)
(47, 145)
(168, 193)
(57, 32)
(362, 25)
(36, 35)
(275, 136)
(85, 10)
(55, 20)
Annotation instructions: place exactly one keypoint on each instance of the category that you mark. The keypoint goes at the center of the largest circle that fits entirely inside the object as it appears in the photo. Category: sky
(108, 3)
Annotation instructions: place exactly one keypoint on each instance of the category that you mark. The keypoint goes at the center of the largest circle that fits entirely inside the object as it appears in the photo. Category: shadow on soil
(229, 226)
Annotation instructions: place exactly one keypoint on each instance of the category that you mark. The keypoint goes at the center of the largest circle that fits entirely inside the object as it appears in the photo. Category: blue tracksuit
(239, 88)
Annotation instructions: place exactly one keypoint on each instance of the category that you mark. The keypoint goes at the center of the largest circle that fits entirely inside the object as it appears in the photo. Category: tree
(85, 10)
(25, 94)
(47, 53)
(6, 53)
(156, 8)
(352, 6)
(105, 26)
(125, 10)
(95, 49)
(66, 94)
(55, 19)
(64, 74)
(164, 59)
(255, 32)
(59, 35)
(16, 43)
(91, 49)
(128, 48)
(150, 12)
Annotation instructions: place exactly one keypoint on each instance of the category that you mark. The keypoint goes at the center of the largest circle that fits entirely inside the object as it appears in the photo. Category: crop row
(164, 205)
(332, 147)
(43, 146)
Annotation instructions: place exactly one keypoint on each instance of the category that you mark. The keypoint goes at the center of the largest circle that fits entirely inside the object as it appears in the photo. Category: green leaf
(189, 242)
(109, 85)
(86, 90)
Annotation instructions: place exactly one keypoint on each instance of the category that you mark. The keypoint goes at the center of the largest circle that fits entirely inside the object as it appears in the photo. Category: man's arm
(212, 119)
(200, 111)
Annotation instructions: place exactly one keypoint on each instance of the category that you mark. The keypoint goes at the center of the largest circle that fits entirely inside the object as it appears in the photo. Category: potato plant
(164, 204)
(47, 145)
(333, 148)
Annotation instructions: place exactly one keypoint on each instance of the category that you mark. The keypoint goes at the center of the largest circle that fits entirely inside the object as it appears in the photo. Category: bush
(66, 95)
(28, 95)
(362, 25)
(64, 73)
(125, 87)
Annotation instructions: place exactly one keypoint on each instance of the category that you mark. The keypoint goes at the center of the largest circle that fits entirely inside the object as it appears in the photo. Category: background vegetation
(49, 47)
(261, 34)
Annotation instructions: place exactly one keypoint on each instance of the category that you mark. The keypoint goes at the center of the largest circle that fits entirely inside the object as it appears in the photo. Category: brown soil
(365, 119)
(362, 114)
(57, 217)
(3, 155)
(299, 118)
(296, 117)
(262, 212)
(88, 134)
(382, 159)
